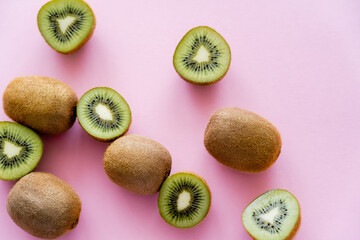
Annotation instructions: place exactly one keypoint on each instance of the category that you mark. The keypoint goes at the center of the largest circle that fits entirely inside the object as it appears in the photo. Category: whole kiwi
(242, 140)
(137, 163)
(44, 104)
(44, 205)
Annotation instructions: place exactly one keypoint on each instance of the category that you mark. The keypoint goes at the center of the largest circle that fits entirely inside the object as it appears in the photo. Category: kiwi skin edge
(201, 83)
(82, 43)
(295, 228)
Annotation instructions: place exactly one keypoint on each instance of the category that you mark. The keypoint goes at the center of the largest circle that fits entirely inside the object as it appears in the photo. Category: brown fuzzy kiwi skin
(201, 83)
(43, 104)
(137, 163)
(242, 140)
(44, 205)
(80, 44)
(293, 231)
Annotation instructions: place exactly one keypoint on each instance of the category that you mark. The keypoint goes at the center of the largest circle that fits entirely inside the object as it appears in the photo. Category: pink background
(297, 63)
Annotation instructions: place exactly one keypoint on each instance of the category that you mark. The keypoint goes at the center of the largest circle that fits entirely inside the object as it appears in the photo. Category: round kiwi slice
(184, 200)
(275, 215)
(20, 150)
(103, 113)
(66, 25)
(202, 57)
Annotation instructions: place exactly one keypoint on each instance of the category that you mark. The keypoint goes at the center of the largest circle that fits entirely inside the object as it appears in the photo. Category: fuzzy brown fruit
(137, 163)
(44, 205)
(242, 140)
(44, 104)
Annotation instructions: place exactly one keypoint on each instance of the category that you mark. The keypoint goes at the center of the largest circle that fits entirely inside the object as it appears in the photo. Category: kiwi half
(184, 200)
(66, 25)
(20, 150)
(275, 215)
(103, 113)
(202, 56)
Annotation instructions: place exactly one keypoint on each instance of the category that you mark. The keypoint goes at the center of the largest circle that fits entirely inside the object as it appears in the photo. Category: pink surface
(297, 63)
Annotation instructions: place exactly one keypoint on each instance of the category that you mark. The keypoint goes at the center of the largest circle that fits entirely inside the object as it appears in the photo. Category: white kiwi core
(202, 55)
(104, 112)
(65, 23)
(11, 150)
(270, 216)
(183, 200)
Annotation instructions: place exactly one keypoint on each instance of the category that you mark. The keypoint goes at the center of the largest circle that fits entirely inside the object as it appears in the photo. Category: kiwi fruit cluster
(47, 207)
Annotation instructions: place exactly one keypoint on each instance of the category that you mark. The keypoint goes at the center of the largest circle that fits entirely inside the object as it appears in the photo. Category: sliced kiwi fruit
(43, 104)
(202, 56)
(242, 140)
(184, 200)
(44, 205)
(274, 215)
(20, 150)
(137, 163)
(66, 25)
(104, 114)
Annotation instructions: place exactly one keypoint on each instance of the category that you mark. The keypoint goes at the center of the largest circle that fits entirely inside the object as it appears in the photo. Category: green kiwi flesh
(202, 56)
(44, 205)
(184, 200)
(103, 113)
(242, 140)
(274, 215)
(66, 25)
(20, 150)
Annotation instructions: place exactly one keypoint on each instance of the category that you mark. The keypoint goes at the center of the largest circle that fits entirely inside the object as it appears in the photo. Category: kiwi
(137, 163)
(275, 215)
(202, 56)
(104, 114)
(44, 104)
(184, 200)
(66, 25)
(242, 140)
(20, 150)
(44, 205)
